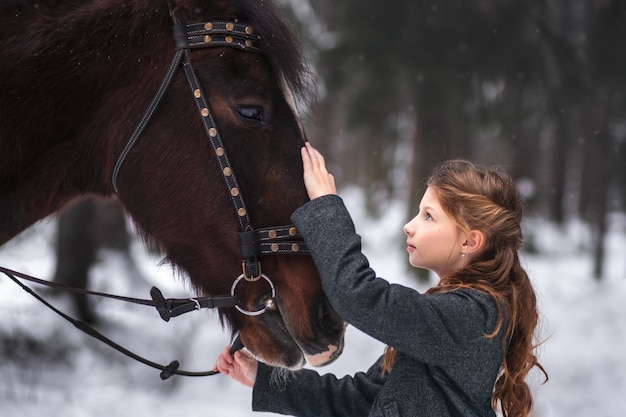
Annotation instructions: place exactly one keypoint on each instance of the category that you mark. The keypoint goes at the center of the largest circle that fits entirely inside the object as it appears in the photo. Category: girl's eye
(251, 113)
(428, 216)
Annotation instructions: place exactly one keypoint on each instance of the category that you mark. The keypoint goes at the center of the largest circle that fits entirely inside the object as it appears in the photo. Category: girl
(463, 348)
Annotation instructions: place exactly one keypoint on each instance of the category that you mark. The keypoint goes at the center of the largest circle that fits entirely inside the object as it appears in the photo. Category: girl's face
(434, 241)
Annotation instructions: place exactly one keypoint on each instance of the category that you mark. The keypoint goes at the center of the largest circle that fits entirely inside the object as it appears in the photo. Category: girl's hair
(487, 199)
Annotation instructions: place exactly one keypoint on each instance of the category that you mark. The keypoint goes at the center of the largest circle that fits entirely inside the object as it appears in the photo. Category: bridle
(253, 242)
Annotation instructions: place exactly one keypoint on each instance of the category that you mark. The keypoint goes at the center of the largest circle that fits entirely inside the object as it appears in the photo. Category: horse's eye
(251, 113)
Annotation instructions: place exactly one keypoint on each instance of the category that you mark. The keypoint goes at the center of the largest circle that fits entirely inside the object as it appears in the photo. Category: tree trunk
(597, 165)
(82, 230)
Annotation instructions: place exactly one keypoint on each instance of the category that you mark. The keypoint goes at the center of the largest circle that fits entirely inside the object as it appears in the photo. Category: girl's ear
(475, 241)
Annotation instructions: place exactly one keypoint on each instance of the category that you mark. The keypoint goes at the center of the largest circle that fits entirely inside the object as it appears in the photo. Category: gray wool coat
(445, 365)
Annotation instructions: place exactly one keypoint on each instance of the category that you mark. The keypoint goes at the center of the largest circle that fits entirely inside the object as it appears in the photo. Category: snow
(58, 371)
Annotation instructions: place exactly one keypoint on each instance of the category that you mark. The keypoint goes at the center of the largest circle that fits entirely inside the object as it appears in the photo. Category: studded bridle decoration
(253, 242)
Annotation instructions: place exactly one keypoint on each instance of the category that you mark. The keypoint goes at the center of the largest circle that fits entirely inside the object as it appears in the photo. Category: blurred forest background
(538, 87)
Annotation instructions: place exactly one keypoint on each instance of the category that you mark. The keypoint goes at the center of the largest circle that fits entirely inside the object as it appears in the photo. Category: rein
(167, 308)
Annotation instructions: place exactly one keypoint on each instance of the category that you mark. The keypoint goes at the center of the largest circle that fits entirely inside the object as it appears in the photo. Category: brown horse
(75, 80)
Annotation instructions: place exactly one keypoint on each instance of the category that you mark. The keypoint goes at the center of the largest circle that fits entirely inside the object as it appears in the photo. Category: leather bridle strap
(254, 242)
(272, 240)
(141, 126)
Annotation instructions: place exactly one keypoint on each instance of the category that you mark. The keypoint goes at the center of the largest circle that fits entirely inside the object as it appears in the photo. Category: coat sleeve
(306, 393)
(437, 329)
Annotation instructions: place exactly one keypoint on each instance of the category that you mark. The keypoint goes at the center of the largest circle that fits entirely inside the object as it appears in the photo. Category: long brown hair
(487, 199)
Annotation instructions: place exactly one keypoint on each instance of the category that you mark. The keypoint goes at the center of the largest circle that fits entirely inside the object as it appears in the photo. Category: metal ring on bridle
(248, 312)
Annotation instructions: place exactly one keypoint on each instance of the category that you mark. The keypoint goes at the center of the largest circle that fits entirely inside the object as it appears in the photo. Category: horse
(76, 78)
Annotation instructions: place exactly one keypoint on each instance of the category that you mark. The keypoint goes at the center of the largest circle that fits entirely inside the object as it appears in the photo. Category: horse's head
(174, 188)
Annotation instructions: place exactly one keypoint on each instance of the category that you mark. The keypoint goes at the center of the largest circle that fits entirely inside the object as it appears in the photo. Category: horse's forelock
(281, 44)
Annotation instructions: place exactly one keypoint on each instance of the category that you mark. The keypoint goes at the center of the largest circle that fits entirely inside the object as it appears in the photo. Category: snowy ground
(73, 375)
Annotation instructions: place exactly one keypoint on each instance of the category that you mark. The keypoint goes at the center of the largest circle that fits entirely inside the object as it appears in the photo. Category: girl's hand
(241, 367)
(317, 180)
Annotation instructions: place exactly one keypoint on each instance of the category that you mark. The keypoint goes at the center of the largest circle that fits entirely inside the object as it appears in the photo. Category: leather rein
(167, 308)
(253, 242)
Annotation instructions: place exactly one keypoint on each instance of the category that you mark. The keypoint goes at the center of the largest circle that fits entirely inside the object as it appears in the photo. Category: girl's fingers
(306, 159)
(243, 358)
(226, 354)
(241, 366)
(247, 368)
(224, 362)
(317, 180)
(223, 366)
(316, 157)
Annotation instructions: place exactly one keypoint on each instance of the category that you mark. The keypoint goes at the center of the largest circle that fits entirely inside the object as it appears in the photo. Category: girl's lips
(409, 247)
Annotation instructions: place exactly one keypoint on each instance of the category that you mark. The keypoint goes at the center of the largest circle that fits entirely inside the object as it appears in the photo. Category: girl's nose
(408, 228)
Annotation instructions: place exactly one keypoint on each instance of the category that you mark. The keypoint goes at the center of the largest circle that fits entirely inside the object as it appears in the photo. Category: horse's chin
(325, 358)
(320, 357)
(316, 360)
(292, 365)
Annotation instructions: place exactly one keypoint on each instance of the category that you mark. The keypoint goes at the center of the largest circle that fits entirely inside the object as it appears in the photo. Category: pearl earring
(463, 255)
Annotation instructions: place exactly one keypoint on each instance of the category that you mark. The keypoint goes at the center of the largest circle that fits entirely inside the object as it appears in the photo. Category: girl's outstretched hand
(317, 180)
(241, 366)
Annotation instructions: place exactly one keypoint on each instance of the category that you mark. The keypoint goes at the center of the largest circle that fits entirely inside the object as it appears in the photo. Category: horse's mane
(281, 44)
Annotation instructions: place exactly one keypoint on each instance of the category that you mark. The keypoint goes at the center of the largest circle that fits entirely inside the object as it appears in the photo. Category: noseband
(253, 242)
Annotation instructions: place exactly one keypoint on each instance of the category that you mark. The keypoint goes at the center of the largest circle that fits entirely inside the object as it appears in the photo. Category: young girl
(463, 348)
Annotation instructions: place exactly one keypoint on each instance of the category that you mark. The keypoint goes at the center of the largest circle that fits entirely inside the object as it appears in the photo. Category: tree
(82, 231)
